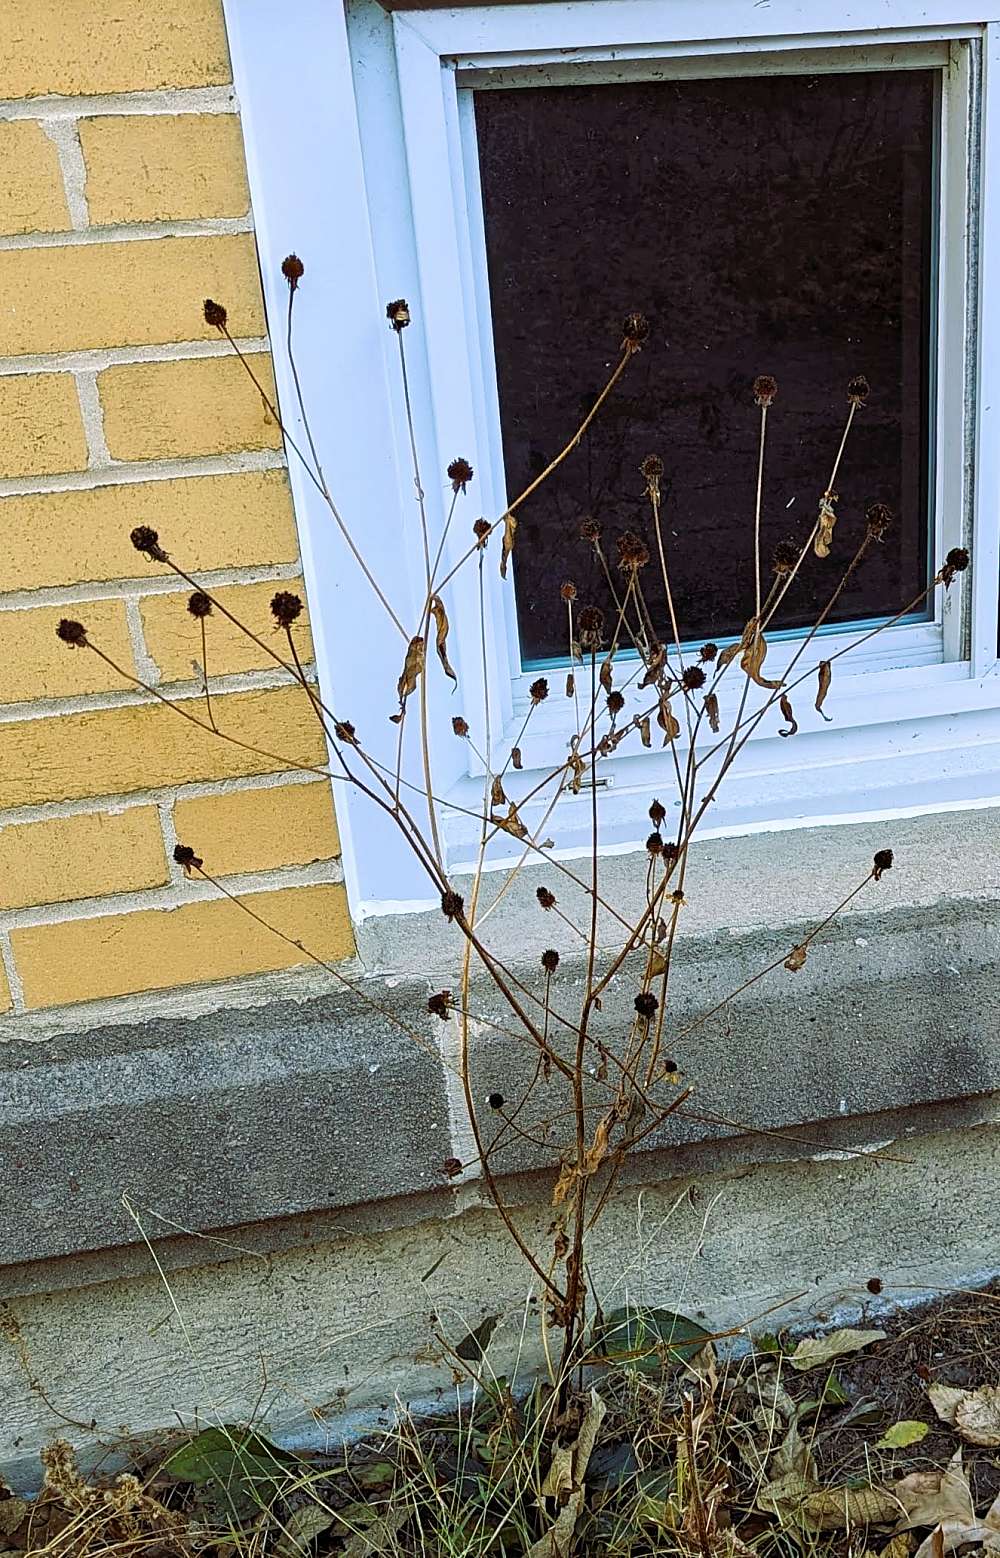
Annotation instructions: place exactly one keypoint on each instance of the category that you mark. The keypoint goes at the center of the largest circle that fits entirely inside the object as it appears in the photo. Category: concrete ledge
(331, 1111)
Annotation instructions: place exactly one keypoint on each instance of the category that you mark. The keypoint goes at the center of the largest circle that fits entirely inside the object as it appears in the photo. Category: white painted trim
(486, 31)
(358, 165)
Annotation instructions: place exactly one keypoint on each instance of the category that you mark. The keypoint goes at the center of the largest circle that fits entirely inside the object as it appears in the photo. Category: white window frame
(361, 156)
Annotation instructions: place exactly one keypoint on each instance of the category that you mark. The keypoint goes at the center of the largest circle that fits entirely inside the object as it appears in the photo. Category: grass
(648, 1457)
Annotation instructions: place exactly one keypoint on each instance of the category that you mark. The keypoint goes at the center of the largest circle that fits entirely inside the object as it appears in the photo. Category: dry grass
(647, 1457)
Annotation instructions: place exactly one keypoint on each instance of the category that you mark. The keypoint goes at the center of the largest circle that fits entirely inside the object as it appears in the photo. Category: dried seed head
(677, 896)
(633, 553)
(215, 314)
(652, 470)
(646, 1003)
(481, 530)
(655, 844)
(460, 726)
(956, 562)
(539, 690)
(199, 604)
(285, 608)
(874, 1285)
(785, 556)
(615, 702)
(765, 388)
(72, 633)
(567, 590)
(186, 857)
(708, 652)
(670, 1066)
(589, 625)
(550, 960)
(657, 812)
(293, 270)
(878, 517)
(398, 314)
(635, 330)
(882, 862)
(858, 390)
(546, 898)
(144, 539)
(590, 530)
(459, 474)
(451, 1168)
(670, 852)
(439, 1005)
(496, 1100)
(452, 904)
(344, 731)
(692, 677)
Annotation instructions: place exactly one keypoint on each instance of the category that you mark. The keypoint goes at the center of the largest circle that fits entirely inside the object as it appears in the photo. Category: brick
(173, 637)
(142, 747)
(123, 954)
(42, 427)
(208, 405)
(164, 167)
(35, 664)
(89, 46)
(138, 747)
(81, 857)
(57, 538)
(259, 830)
(139, 293)
(32, 196)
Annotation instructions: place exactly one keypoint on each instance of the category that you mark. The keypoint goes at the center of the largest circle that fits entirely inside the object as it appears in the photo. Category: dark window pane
(774, 225)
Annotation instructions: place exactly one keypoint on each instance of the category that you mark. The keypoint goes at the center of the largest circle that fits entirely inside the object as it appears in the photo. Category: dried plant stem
(757, 509)
(321, 487)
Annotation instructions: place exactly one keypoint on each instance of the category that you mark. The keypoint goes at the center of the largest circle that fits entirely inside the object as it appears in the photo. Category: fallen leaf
(944, 1399)
(930, 1498)
(907, 1432)
(816, 1350)
(558, 1540)
(301, 1529)
(835, 1509)
(566, 1476)
(12, 1513)
(977, 1417)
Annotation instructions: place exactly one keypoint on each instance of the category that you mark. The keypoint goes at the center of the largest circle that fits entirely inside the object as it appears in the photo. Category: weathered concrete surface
(324, 1337)
(226, 1119)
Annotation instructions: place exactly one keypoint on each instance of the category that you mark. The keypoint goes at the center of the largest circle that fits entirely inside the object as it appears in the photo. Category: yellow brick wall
(124, 204)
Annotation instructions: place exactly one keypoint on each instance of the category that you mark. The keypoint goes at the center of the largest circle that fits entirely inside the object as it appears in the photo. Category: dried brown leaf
(605, 676)
(497, 795)
(797, 957)
(570, 684)
(754, 655)
(667, 720)
(824, 526)
(441, 624)
(977, 1418)
(945, 1399)
(509, 532)
(825, 670)
(785, 704)
(515, 757)
(644, 735)
(712, 711)
(413, 667)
